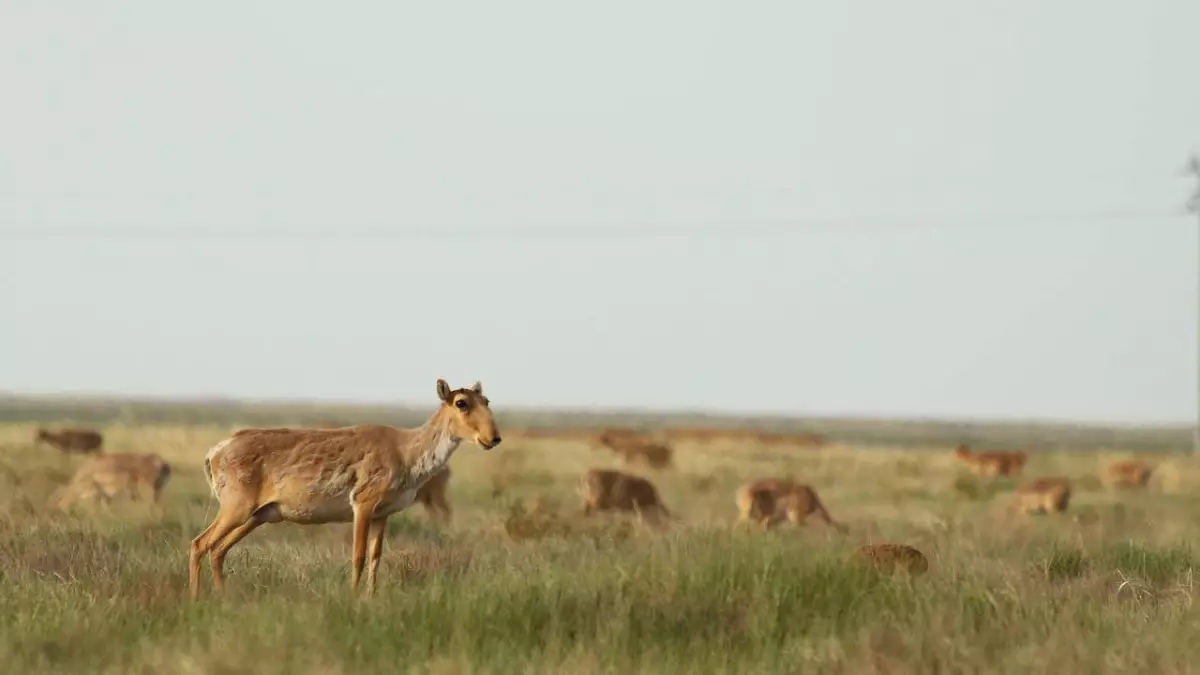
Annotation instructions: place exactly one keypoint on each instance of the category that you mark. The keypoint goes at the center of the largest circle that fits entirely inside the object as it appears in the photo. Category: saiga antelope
(771, 500)
(107, 475)
(612, 490)
(612, 437)
(992, 463)
(360, 474)
(68, 440)
(633, 448)
(1042, 495)
(1128, 474)
(653, 455)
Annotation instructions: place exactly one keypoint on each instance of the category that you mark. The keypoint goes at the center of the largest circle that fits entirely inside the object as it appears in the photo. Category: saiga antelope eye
(461, 404)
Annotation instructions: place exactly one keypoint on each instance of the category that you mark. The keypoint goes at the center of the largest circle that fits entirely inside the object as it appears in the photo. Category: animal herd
(365, 473)
(1047, 494)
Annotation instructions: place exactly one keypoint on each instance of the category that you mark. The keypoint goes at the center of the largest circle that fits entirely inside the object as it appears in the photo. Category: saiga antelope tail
(208, 461)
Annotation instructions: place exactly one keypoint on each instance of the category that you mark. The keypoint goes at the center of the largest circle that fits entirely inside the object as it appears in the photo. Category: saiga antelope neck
(431, 448)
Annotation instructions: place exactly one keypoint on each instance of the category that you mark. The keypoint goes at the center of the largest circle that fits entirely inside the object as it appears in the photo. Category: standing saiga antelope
(86, 441)
(360, 474)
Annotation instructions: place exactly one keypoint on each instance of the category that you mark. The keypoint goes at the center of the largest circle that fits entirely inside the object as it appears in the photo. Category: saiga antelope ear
(477, 388)
(443, 390)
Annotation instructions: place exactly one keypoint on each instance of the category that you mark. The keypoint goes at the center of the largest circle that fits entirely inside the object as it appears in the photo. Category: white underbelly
(396, 501)
(335, 507)
(318, 511)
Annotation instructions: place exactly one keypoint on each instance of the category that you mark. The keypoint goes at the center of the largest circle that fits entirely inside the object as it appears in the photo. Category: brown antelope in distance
(756, 500)
(653, 455)
(612, 490)
(360, 474)
(769, 501)
(1128, 474)
(86, 441)
(890, 558)
(1042, 495)
(607, 438)
(107, 475)
(635, 448)
(992, 463)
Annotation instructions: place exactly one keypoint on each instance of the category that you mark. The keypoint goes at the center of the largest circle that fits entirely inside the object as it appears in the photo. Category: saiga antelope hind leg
(229, 518)
(216, 556)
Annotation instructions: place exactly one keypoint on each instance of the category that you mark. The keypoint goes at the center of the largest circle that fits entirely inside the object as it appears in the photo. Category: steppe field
(520, 582)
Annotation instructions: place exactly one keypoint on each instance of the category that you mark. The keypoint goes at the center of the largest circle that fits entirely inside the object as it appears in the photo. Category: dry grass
(520, 582)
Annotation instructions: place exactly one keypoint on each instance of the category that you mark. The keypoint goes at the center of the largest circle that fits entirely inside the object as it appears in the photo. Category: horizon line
(599, 410)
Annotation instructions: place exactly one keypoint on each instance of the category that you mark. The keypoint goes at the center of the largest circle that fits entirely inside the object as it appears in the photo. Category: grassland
(520, 583)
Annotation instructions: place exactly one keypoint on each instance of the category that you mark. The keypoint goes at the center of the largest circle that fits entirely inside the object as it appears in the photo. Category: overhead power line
(758, 227)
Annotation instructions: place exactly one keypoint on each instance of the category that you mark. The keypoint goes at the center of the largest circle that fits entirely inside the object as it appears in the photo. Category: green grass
(521, 583)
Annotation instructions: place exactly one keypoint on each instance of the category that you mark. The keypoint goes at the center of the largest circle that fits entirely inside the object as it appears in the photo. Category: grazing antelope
(107, 475)
(653, 455)
(360, 474)
(890, 557)
(634, 449)
(615, 436)
(992, 463)
(1128, 474)
(84, 441)
(432, 495)
(756, 499)
(771, 500)
(611, 490)
(1043, 495)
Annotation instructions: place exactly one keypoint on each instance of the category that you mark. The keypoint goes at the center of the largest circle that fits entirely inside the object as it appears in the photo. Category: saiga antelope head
(470, 415)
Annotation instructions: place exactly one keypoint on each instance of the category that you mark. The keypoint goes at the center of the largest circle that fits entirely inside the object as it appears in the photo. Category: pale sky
(932, 208)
